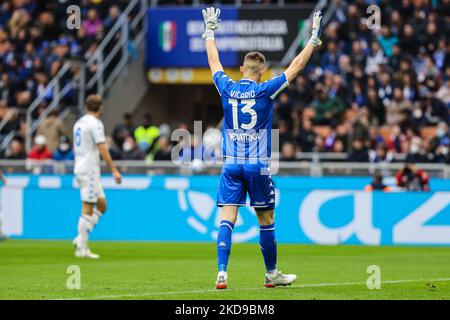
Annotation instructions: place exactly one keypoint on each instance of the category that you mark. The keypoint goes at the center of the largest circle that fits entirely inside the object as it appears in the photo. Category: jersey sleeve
(221, 80)
(274, 86)
(98, 132)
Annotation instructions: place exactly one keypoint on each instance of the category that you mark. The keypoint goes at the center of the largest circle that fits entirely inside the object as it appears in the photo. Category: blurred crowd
(35, 42)
(146, 141)
(374, 94)
(370, 95)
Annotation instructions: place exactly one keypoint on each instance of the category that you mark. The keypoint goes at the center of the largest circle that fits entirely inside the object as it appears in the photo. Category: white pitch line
(311, 285)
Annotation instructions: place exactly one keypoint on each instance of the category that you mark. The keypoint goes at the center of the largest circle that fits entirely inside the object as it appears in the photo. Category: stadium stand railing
(7, 139)
(312, 167)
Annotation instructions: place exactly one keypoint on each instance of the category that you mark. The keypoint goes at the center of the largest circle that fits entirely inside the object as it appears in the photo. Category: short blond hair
(254, 62)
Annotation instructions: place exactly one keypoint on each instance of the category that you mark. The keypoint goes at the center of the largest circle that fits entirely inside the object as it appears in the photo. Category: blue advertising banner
(174, 38)
(174, 35)
(173, 208)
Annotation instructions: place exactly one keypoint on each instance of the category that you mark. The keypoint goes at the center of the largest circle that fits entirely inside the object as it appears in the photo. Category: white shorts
(90, 188)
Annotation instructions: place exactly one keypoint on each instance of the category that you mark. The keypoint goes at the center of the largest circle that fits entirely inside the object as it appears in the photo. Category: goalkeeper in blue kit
(248, 107)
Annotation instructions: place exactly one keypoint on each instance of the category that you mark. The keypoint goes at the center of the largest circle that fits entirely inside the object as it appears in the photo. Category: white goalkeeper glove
(316, 29)
(212, 21)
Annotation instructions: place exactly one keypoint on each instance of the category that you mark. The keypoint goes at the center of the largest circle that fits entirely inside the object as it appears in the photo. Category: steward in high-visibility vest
(146, 134)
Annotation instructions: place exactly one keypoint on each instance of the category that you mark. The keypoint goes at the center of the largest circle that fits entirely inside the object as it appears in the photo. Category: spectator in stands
(328, 110)
(130, 151)
(433, 108)
(376, 138)
(165, 149)
(331, 138)
(395, 107)
(411, 178)
(443, 94)
(113, 16)
(319, 144)
(16, 150)
(40, 151)
(360, 128)
(416, 152)
(307, 137)
(288, 152)
(123, 130)
(64, 150)
(92, 27)
(381, 154)
(284, 134)
(387, 40)
(358, 97)
(284, 109)
(374, 59)
(194, 151)
(377, 113)
(442, 134)
(408, 40)
(146, 134)
(52, 129)
(439, 144)
(359, 152)
(115, 151)
(302, 94)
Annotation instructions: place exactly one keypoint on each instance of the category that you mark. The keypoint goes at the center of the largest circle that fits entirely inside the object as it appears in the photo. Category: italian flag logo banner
(167, 35)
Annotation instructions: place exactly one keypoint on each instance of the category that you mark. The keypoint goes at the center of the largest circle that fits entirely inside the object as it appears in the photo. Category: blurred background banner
(174, 35)
(174, 208)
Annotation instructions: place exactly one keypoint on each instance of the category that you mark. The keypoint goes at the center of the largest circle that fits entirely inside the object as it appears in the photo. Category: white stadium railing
(296, 168)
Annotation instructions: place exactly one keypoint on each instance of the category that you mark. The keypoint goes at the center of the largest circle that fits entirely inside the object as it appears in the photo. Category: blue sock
(224, 244)
(268, 246)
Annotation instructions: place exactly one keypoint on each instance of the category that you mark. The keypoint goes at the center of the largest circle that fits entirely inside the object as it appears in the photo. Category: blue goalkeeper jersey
(248, 109)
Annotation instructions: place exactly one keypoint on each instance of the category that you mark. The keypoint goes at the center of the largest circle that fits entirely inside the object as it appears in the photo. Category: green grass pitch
(146, 270)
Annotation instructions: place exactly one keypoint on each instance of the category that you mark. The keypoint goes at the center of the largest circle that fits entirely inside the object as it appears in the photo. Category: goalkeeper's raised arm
(211, 17)
(303, 57)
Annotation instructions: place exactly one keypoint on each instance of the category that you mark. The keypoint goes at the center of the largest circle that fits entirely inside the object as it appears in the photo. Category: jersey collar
(246, 79)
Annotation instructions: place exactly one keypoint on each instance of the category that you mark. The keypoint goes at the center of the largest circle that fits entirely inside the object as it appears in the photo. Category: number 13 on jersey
(247, 108)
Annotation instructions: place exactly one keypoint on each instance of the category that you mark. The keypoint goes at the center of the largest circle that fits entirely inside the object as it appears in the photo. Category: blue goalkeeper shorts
(238, 179)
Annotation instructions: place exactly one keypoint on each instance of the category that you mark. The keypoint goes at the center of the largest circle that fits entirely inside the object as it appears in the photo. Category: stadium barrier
(311, 164)
(319, 210)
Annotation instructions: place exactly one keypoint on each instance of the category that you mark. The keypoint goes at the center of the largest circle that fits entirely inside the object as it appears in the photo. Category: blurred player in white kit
(89, 145)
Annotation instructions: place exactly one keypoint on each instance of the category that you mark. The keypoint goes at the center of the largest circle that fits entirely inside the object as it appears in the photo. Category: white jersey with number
(88, 132)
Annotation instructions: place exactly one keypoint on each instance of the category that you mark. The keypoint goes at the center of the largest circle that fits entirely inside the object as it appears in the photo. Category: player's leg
(100, 206)
(86, 224)
(267, 240)
(228, 219)
(90, 191)
(230, 196)
(268, 246)
(262, 198)
(97, 213)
